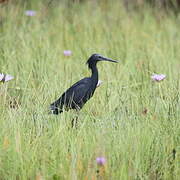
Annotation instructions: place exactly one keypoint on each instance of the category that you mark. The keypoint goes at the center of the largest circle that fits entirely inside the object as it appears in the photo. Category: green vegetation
(132, 121)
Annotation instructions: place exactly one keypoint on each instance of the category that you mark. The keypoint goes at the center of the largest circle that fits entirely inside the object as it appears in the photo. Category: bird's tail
(56, 108)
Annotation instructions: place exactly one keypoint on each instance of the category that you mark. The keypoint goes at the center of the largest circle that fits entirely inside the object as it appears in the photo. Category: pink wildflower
(100, 161)
(67, 52)
(158, 77)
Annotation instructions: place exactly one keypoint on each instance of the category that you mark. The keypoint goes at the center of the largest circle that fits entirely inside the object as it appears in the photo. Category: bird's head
(93, 59)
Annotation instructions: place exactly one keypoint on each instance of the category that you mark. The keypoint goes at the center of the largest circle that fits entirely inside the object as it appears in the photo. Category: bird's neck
(94, 75)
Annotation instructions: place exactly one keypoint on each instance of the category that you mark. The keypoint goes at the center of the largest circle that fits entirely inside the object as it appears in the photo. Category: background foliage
(132, 121)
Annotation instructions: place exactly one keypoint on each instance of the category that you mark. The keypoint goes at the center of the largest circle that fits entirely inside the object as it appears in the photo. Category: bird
(79, 93)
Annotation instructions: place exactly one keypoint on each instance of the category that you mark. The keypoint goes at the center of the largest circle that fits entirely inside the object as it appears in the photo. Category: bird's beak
(108, 59)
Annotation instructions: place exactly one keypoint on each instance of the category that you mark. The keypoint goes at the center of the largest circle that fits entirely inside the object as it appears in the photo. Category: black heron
(79, 93)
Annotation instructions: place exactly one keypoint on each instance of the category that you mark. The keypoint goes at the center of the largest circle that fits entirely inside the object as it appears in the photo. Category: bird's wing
(79, 90)
(84, 81)
(77, 94)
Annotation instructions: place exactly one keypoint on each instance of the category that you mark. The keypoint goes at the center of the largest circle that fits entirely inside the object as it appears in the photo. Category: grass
(131, 121)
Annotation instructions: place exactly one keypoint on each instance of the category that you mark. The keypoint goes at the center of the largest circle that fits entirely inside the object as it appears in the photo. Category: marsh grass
(132, 121)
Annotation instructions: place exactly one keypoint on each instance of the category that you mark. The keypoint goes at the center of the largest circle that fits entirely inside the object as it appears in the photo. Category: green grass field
(131, 120)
